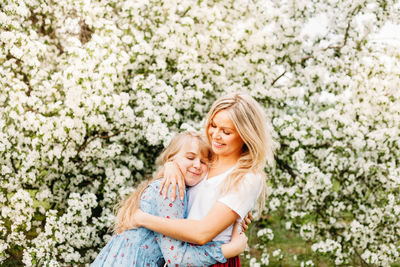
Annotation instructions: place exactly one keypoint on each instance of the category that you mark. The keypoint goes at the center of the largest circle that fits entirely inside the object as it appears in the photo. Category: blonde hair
(127, 207)
(252, 125)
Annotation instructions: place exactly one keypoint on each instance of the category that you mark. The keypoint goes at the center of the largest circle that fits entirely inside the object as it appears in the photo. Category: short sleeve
(243, 200)
(146, 200)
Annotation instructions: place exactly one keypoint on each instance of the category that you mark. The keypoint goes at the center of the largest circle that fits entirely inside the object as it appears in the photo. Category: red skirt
(231, 262)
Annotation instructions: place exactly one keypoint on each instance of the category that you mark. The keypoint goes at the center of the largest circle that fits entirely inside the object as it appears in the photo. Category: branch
(337, 47)
(277, 78)
(361, 259)
(99, 135)
(286, 167)
(346, 36)
(13, 165)
(24, 75)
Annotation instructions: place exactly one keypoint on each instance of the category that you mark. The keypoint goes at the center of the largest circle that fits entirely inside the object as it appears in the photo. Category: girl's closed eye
(204, 161)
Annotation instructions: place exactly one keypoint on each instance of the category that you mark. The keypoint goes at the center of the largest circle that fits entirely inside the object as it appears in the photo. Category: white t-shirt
(206, 193)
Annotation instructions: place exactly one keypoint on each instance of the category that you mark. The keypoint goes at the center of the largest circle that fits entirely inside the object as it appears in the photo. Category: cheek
(210, 131)
(235, 141)
(204, 169)
(183, 164)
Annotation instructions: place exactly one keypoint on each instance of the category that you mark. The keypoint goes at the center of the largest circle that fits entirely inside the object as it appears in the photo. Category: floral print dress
(142, 247)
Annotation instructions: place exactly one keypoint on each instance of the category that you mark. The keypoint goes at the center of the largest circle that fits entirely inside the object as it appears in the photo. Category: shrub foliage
(92, 90)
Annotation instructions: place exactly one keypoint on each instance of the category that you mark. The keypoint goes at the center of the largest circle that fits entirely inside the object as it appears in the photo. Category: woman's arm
(180, 253)
(200, 232)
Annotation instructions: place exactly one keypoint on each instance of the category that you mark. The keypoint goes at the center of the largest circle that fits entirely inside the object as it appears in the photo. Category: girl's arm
(200, 232)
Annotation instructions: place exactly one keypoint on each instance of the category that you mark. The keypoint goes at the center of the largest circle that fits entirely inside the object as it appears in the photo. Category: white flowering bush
(92, 90)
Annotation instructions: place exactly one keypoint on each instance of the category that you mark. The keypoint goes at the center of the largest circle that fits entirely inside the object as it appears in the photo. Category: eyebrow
(223, 127)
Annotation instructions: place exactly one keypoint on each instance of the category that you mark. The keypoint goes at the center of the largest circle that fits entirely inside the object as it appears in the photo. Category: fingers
(165, 190)
(244, 226)
(173, 192)
(181, 186)
(246, 222)
(162, 184)
(250, 216)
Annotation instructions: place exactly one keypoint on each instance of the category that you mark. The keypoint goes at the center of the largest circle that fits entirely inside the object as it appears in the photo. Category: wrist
(139, 218)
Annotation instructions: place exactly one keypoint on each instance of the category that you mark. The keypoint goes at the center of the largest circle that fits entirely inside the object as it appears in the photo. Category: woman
(238, 133)
(142, 247)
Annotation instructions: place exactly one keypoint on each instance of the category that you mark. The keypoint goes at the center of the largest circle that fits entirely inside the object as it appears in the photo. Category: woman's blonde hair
(252, 125)
(127, 207)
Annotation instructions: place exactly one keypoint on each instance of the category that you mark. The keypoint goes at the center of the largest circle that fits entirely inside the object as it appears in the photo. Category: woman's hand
(246, 222)
(172, 177)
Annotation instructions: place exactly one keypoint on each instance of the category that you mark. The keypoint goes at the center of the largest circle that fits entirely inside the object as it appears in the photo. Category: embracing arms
(200, 232)
(182, 253)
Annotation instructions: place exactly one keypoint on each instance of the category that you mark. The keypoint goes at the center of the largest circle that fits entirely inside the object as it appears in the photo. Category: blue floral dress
(142, 247)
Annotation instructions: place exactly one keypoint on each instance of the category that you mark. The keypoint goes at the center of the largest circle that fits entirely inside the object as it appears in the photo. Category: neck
(226, 161)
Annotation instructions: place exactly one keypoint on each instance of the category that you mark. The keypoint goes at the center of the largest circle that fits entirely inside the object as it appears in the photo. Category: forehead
(222, 119)
(190, 145)
(193, 146)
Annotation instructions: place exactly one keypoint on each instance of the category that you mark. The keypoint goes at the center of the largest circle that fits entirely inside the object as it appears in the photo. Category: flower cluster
(91, 91)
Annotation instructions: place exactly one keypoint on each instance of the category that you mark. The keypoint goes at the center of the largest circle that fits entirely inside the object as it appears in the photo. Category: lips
(194, 173)
(217, 145)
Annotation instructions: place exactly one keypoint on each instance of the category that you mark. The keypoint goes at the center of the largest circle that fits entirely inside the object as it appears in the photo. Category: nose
(215, 134)
(196, 163)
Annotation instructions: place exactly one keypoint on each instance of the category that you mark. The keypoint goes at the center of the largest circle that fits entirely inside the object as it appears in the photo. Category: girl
(237, 131)
(142, 247)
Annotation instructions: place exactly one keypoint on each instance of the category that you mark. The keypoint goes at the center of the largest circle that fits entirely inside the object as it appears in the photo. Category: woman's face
(225, 140)
(191, 162)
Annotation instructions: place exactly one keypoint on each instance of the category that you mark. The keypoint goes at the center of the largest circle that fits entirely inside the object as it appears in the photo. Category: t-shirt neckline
(219, 175)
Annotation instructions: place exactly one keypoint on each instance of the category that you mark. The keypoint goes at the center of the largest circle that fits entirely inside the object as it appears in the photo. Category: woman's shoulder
(254, 176)
(253, 179)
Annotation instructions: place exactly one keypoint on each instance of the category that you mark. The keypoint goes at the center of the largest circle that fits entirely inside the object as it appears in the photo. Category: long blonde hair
(252, 125)
(127, 207)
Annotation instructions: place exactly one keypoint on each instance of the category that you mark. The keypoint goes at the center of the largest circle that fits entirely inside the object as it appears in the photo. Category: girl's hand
(239, 240)
(246, 222)
(172, 177)
(137, 219)
(237, 245)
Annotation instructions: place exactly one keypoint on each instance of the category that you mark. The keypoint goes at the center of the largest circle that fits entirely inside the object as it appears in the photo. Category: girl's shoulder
(151, 191)
(154, 188)
(156, 184)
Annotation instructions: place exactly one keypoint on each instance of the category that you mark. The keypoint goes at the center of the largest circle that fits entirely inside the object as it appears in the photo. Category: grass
(293, 248)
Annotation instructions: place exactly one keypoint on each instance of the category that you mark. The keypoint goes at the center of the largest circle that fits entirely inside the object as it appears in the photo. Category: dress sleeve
(243, 200)
(179, 253)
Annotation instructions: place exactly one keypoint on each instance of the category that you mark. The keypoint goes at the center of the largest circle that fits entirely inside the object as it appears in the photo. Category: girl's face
(225, 140)
(191, 162)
